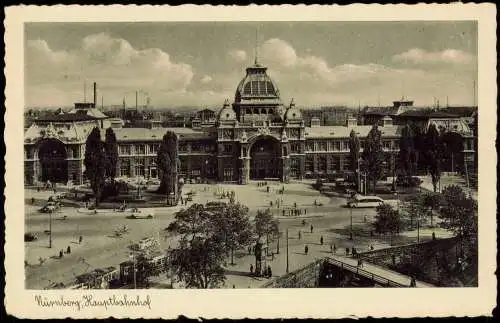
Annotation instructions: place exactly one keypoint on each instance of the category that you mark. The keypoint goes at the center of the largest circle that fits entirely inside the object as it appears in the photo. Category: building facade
(256, 137)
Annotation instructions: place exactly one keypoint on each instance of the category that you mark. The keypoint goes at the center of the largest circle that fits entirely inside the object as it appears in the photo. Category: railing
(374, 277)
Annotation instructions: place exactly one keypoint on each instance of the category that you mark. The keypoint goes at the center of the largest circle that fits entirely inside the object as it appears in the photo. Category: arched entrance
(53, 164)
(265, 159)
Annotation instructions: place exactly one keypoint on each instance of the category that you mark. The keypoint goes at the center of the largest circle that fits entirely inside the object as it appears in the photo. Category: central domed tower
(257, 97)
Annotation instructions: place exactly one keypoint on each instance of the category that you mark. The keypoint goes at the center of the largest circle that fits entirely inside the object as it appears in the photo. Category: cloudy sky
(200, 64)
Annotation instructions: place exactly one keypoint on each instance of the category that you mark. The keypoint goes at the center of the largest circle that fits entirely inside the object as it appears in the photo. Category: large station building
(257, 136)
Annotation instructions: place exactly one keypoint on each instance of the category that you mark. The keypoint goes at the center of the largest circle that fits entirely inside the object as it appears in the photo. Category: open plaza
(100, 246)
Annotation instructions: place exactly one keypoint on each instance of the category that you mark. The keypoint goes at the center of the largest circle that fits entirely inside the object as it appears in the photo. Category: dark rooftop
(67, 117)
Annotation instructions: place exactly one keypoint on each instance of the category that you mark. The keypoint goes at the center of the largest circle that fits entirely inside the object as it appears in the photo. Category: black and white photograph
(250, 155)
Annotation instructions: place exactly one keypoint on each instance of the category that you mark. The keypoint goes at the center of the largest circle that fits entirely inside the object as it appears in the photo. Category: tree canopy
(168, 163)
(206, 234)
(111, 150)
(387, 220)
(373, 156)
(354, 148)
(95, 163)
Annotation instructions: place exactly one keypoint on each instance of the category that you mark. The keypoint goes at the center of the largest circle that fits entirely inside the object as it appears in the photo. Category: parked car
(50, 207)
(359, 201)
(406, 181)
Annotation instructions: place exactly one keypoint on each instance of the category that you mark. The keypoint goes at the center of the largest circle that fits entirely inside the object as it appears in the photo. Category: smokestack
(95, 95)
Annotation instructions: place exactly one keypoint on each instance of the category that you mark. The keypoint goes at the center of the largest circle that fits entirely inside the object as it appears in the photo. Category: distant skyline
(201, 64)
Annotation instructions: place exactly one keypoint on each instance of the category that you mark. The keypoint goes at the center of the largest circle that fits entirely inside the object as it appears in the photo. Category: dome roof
(293, 113)
(256, 84)
(226, 113)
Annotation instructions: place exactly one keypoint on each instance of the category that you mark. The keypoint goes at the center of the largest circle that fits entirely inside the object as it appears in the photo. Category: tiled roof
(155, 134)
(382, 111)
(428, 114)
(66, 117)
(344, 132)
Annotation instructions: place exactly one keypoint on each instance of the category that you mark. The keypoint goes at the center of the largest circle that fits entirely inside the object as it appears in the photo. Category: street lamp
(287, 250)
(50, 228)
(350, 233)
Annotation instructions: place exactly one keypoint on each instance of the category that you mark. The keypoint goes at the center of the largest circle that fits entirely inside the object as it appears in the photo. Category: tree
(111, 150)
(459, 213)
(373, 155)
(198, 258)
(407, 151)
(431, 202)
(387, 220)
(144, 270)
(354, 147)
(232, 225)
(198, 263)
(453, 144)
(414, 208)
(95, 163)
(433, 154)
(168, 163)
(265, 225)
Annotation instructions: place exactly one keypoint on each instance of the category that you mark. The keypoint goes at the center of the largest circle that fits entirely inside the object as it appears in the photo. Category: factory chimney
(95, 95)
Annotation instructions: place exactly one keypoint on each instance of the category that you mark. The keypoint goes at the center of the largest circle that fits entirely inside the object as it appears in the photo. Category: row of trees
(415, 148)
(457, 210)
(100, 160)
(210, 234)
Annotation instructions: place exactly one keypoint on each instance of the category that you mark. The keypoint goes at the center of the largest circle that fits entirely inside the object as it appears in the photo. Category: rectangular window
(228, 174)
(345, 145)
(337, 145)
(310, 146)
(309, 165)
(294, 167)
(228, 148)
(322, 145)
(124, 168)
(322, 164)
(140, 149)
(153, 149)
(295, 148)
(183, 147)
(331, 163)
(124, 149)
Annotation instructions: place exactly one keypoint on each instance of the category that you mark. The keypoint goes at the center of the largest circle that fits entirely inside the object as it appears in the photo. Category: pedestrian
(311, 228)
(321, 240)
(371, 247)
(271, 203)
(68, 250)
(269, 271)
(295, 204)
(32, 200)
(283, 212)
(38, 189)
(305, 211)
(364, 219)
(315, 202)
(335, 249)
(300, 235)
(303, 222)
(234, 286)
(249, 250)
(354, 252)
(80, 240)
(306, 249)
(60, 253)
(433, 235)
(268, 189)
(347, 251)
(331, 249)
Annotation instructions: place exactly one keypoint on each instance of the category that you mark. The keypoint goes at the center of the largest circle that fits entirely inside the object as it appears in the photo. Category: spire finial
(292, 103)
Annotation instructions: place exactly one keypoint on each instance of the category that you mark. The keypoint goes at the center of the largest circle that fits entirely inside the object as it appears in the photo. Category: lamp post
(50, 228)
(287, 250)
(350, 233)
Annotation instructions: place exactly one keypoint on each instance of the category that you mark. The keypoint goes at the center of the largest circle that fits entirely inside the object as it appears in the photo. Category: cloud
(420, 56)
(278, 53)
(112, 62)
(237, 55)
(206, 79)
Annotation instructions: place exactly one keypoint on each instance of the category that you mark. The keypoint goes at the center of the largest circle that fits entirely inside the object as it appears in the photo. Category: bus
(358, 201)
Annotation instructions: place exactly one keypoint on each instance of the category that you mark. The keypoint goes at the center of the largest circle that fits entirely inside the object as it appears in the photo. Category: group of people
(266, 271)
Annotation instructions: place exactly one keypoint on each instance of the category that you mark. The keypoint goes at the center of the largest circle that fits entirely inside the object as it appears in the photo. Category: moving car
(358, 201)
(30, 237)
(140, 216)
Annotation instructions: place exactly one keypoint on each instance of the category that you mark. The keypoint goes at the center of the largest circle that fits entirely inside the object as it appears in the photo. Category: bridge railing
(359, 271)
